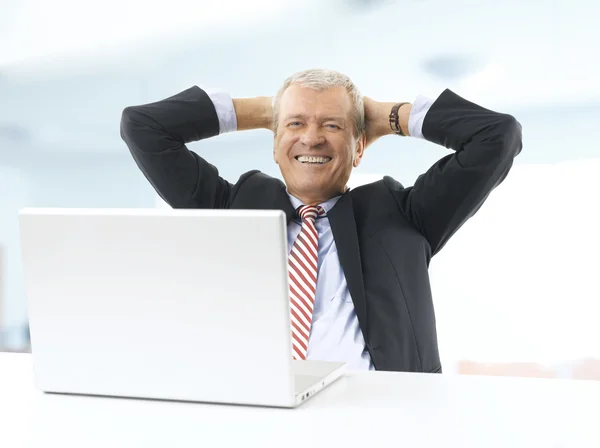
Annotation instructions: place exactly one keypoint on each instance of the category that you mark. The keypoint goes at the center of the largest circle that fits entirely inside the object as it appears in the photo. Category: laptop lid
(168, 304)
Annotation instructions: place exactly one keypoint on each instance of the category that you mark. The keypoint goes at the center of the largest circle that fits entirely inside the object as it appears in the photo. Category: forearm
(156, 135)
(253, 113)
(377, 117)
(479, 134)
(163, 125)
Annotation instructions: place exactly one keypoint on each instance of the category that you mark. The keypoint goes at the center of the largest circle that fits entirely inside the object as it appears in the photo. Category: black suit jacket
(385, 233)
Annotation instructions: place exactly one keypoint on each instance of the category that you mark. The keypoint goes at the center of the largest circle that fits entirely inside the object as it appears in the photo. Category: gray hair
(320, 79)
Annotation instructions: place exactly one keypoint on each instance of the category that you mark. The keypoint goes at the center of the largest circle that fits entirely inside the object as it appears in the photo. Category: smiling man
(318, 140)
(358, 259)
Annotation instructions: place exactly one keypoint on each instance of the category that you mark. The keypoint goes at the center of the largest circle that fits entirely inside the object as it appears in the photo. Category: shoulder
(258, 179)
(255, 186)
(378, 189)
(379, 201)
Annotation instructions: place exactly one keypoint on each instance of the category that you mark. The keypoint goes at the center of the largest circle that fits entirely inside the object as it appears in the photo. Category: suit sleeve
(485, 144)
(156, 135)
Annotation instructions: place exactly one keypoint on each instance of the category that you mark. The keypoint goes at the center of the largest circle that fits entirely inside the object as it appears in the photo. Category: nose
(312, 136)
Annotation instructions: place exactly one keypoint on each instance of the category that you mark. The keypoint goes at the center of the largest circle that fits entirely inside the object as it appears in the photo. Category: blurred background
(516, 290)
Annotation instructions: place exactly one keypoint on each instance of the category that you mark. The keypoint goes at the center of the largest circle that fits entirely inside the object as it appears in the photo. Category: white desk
(371, 409)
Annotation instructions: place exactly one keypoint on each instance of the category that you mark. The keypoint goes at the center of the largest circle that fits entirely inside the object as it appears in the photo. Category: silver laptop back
(167, 304)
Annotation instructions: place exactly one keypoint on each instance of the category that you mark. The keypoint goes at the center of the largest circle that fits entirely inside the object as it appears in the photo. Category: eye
(293, 124)
(333, 126)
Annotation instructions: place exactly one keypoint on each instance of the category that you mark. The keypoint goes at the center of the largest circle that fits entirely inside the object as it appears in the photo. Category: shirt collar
(327, 205)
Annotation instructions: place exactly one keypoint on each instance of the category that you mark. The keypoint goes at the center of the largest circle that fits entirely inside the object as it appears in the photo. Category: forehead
(299, 99)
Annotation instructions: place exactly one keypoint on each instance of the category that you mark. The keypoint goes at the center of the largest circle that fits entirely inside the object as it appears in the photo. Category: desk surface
(368, 409)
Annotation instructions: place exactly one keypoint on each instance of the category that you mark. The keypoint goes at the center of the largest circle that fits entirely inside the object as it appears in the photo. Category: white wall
(519, 282)
(56, 181)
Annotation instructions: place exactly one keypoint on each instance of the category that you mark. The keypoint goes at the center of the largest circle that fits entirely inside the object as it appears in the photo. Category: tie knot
(310, 211)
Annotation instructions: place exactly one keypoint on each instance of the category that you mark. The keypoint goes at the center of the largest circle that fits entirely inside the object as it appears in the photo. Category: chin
(321, 190)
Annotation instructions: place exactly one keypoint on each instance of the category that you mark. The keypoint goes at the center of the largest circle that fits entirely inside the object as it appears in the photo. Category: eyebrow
(304, 117)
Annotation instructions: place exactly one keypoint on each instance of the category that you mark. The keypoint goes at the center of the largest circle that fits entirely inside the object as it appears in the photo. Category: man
(358, 261)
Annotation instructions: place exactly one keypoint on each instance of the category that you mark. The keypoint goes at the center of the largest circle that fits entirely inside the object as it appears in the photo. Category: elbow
(511, 136)
(499, 143)
(130, 118)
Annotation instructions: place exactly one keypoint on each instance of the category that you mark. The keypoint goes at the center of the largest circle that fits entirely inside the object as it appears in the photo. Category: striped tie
(302, 268)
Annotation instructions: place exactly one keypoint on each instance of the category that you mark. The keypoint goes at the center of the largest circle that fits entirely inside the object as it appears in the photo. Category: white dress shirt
(335, 334)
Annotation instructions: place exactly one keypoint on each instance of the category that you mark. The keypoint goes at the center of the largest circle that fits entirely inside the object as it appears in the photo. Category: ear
(275, 156)
(361, 143)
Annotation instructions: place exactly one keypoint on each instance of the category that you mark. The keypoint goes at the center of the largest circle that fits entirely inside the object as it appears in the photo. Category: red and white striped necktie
(302, 269)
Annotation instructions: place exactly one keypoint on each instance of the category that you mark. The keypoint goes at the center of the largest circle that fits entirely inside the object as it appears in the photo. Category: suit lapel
(343, 226)
(282, 202)
(258, 197)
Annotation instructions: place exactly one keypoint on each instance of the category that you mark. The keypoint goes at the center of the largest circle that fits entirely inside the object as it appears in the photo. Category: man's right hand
(254, 113)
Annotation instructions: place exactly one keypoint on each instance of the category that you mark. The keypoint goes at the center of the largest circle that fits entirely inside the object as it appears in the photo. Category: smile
(313, 160)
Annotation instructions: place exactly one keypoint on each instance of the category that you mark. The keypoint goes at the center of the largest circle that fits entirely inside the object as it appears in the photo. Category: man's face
(315, 145)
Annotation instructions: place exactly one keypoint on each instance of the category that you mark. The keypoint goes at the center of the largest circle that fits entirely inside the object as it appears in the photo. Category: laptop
(188, 305)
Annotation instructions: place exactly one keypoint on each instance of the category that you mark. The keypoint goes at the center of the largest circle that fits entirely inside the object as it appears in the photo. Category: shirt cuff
(419, 109)
(228, 120)
(225, 111)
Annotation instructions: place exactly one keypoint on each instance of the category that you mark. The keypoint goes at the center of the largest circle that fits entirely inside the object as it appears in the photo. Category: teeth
(305, 159)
